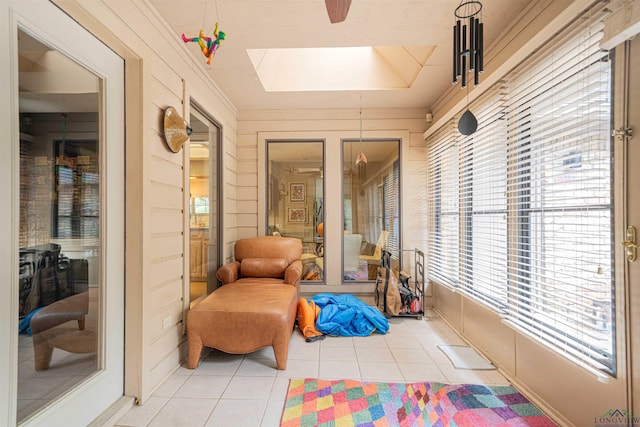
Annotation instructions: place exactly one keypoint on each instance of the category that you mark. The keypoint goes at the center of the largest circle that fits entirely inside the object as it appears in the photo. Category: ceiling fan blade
(337, 9)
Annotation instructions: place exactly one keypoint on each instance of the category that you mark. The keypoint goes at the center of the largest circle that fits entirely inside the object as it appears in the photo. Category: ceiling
(264, 24)
(50, 82)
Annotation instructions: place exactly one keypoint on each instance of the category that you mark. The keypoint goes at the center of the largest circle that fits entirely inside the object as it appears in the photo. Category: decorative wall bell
(175, 129)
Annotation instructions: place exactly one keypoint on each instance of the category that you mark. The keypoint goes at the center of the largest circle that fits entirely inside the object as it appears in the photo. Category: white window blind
(560, 283)
(521, 211)
(391, 183)
(483, 198)
(468, 190)
(444, 201)
(374, 212)
(383, 195)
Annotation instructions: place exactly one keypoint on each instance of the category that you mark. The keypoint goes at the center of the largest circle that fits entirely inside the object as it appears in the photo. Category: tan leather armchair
(256, 305)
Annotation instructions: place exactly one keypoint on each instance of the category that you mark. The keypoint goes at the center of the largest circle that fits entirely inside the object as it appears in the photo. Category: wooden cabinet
(205, 258)
(195, 258)
(198, 255)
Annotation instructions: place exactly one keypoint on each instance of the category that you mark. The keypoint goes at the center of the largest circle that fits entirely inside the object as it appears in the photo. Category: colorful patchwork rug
(313, 402)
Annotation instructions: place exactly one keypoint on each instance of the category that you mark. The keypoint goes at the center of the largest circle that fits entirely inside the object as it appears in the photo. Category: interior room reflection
(371, 207)
(295, 199)
(59, 237)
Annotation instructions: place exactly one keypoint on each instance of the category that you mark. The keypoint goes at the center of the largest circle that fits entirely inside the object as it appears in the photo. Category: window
(295, 197)
(522, 210)
(201, 205)
(371, 207)
(76, 183)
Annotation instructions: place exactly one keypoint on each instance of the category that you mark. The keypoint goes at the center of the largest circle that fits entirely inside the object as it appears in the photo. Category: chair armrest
(229, 273)
(293, 273)
(377, 255)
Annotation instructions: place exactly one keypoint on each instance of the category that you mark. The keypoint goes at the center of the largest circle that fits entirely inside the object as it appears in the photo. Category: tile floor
(247, 390)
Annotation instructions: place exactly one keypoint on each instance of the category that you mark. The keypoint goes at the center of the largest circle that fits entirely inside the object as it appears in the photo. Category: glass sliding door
(203, 204)
(296, 199)
(371, 207)
(66, 318)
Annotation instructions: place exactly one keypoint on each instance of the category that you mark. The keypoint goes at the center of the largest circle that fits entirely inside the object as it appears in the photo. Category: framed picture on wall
(297, 214)
(296, 192)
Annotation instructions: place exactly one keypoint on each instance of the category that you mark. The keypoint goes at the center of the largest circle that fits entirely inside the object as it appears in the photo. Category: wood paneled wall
(160, 72)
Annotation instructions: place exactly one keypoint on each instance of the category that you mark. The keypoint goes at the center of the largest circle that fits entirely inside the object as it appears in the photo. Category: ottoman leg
(281, 352)
(42, 352)
(195, 351)
(281, 348)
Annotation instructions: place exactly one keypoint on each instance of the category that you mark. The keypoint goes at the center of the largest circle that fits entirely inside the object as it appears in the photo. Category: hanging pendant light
(337, 10)
(361, 158)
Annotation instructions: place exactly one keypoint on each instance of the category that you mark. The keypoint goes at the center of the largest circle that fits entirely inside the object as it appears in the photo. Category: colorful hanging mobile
(208, 45)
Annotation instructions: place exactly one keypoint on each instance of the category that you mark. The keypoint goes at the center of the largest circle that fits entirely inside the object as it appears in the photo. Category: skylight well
(339, 68)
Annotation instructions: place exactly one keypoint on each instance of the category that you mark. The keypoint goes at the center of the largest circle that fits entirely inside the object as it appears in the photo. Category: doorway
(62, 263)
(204, 257)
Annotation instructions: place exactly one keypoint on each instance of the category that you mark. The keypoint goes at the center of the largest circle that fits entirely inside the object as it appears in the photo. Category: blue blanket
(346, 315)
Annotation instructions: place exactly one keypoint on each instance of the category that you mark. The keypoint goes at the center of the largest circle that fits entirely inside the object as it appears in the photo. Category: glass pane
(295, 200)
(203, 217)
(59, 224)
(371, 207)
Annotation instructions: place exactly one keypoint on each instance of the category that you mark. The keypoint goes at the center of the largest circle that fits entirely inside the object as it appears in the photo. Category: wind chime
(468, 49)
(208, 45)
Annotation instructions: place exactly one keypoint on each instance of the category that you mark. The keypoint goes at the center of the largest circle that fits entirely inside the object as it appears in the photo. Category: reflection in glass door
(203, 204)
(59, 227)
(295, 199)
(371, 207)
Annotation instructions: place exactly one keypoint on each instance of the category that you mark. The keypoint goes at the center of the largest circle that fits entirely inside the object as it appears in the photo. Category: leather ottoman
(240, 318)
(55, 326)
(256, 304)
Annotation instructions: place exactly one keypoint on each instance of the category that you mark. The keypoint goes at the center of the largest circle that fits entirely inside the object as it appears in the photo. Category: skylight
(339, 68)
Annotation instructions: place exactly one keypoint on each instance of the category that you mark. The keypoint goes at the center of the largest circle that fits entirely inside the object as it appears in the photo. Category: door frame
(628, 116)
(215, 185)
(82, 404)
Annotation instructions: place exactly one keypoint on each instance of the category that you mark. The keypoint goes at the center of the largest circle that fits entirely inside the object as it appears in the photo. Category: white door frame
(46, 22)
